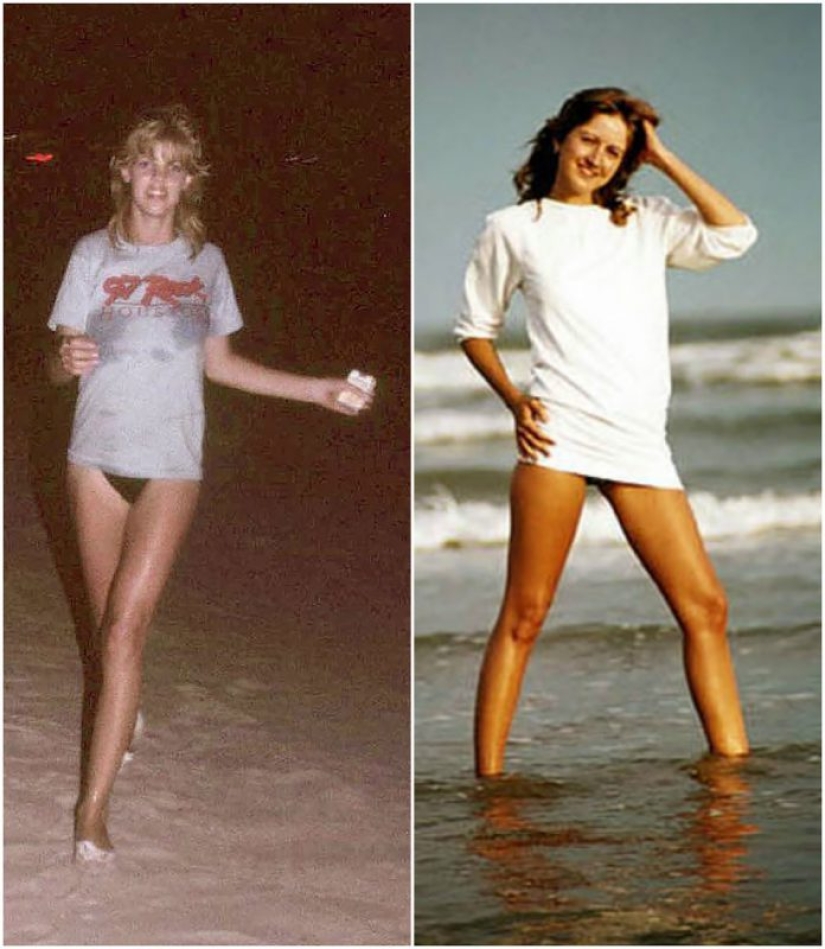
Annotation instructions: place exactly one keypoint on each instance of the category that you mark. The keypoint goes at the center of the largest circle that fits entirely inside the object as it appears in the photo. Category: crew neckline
(554, 202)
(150, 248)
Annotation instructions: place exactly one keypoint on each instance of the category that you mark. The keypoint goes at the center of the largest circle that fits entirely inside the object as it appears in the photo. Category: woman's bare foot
(91, 836)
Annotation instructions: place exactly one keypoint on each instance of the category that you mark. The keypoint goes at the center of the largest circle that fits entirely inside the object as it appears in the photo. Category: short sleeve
(74, 298)
(224, 314)
(691, 244)
(491, 279)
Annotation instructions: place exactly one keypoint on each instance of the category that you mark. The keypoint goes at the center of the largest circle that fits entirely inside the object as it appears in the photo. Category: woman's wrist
(515, 399)
(665, 161)
(313, 389)
(56, 370)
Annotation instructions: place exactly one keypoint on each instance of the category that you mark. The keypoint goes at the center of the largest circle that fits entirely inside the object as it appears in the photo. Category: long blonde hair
(172, 125)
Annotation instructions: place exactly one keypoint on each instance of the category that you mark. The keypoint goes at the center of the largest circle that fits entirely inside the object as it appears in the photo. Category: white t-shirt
(597, 319)
(149, 308)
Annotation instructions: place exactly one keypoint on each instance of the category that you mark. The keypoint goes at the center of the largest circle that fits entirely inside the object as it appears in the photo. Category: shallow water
(627, 852)
(611, 828)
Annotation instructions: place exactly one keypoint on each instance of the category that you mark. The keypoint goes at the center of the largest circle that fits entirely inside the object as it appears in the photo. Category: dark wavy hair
(172, 125)
(534, 180)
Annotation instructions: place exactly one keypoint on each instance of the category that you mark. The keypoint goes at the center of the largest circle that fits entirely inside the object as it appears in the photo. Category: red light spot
(40, 157)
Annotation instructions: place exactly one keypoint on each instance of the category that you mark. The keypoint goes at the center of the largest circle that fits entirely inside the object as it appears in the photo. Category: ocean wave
(441, 426)
(767, 360)
(488, 420)
(759, 360)
(797, 637)
(450, 370)
(441, 521)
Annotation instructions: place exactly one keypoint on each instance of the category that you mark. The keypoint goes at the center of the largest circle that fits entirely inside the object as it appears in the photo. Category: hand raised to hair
(655, 153)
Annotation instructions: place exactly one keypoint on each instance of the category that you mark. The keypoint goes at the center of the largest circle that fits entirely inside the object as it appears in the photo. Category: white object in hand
(361, 381)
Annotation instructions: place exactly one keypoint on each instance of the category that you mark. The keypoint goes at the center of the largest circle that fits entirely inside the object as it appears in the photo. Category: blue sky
(739, 89)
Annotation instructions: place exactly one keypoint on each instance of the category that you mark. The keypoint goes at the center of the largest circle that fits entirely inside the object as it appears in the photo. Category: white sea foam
(450, 370)
(766, 360)
(442, 521)
(440, 426)
(759, 360)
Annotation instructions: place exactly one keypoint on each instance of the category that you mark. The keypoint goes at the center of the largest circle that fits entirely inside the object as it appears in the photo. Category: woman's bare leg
(100, 517)
(662, 530)
(545, 509)
(102, 512)
(153, 532)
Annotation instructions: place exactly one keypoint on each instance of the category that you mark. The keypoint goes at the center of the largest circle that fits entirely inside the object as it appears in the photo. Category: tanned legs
(546, 507)
(128, 553)
(662, 530)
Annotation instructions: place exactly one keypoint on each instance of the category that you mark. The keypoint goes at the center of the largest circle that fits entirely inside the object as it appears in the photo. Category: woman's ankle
(90, 823)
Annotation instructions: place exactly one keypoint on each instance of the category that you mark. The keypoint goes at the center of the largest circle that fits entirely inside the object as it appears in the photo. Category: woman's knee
(707, 611)
(523, 621)
(124, 634)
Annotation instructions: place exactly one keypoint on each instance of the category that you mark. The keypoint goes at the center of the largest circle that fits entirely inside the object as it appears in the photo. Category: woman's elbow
(55, 374)
(213, 372)
(218, 360)
(219, 370)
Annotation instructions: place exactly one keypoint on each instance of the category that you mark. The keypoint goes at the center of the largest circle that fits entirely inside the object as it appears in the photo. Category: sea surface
(613, 826)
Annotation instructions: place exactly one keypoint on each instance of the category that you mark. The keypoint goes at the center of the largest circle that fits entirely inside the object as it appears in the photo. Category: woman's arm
(73, 355)
(527, 412)
(226, 367)
(715, 208)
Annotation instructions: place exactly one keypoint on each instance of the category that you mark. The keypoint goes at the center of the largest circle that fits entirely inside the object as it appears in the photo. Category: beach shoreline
(268, 800)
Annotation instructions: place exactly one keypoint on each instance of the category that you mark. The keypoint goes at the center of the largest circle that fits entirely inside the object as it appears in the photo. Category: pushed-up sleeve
(74, 298)
(224, 314)
(691, 244)
(491, 279)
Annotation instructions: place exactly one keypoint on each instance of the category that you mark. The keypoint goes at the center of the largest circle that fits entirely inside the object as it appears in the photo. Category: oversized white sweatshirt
(597, 319)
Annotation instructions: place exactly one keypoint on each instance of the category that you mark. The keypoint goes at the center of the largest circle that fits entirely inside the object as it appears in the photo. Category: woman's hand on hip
(529, 413)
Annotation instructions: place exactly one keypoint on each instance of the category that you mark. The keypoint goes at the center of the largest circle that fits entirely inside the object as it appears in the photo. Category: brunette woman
(590, 262)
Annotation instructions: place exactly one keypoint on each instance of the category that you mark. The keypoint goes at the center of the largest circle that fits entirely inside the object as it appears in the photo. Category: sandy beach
(268, 799)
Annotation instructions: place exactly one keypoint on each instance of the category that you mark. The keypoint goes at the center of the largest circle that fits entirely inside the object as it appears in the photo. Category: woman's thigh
(100, 515)
(662, 530)
(545, 509)
(155, 528)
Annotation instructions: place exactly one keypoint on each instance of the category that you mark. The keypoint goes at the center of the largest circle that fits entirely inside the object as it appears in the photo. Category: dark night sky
(328, 84)
(306, 118)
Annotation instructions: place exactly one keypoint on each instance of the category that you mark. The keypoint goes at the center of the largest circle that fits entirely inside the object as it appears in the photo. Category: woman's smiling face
(157, 181)
(588, 157)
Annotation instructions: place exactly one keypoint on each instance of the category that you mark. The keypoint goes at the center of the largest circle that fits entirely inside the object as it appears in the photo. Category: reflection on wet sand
(608, 880)
(716, 831)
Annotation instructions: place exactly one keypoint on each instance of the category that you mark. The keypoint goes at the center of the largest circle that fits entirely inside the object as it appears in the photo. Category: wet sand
(268, 800)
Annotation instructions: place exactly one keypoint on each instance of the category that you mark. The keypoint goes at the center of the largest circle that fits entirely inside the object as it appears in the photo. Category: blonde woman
(590, 262)
(145, 310)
